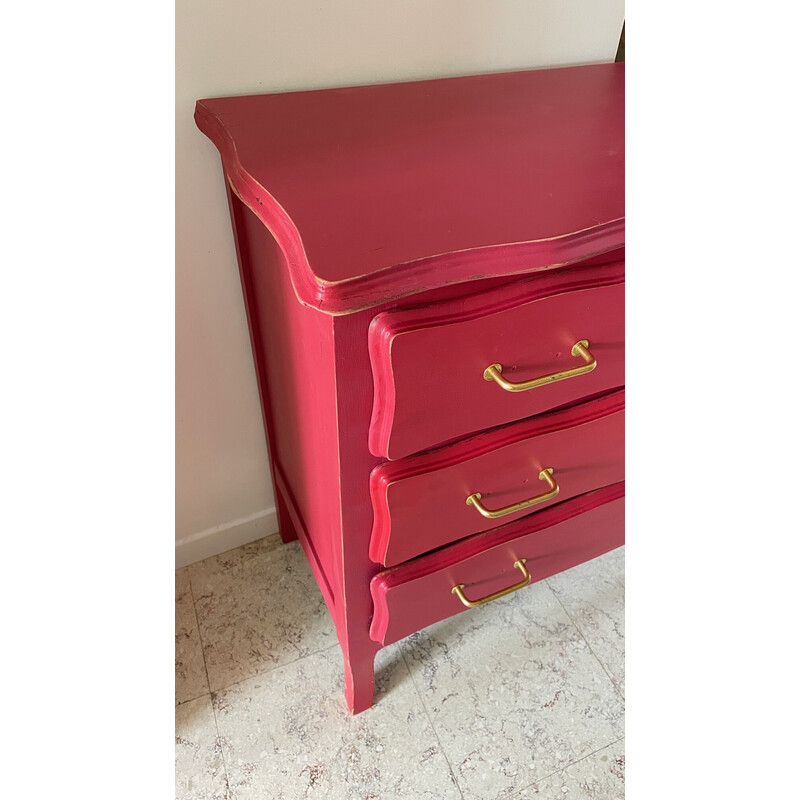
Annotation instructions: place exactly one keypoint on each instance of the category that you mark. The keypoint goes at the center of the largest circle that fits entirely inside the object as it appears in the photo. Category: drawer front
(409, 597)
(419, 503)
(430, 363)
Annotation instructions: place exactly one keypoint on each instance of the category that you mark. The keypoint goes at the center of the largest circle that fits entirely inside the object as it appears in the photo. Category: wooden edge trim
(398, 280)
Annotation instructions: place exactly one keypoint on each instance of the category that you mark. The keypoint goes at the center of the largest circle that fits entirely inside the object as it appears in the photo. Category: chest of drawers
(433, 274)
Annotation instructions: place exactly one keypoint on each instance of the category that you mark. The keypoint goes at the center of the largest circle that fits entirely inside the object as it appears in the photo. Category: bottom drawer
(418, 593)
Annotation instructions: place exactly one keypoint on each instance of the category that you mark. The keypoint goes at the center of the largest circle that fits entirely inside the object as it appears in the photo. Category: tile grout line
(228, 790)
(571, 764)
(591, 649)
(555, 772)
(199, 633)
(192, 699)
(255, 674)
(430, 720)
(272, 669)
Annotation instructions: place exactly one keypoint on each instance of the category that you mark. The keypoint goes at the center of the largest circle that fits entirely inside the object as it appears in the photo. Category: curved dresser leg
(359, 680)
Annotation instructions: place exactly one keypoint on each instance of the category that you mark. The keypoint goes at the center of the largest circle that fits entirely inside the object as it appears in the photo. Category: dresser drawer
(420, 503)
(416, 594)
(431, 364)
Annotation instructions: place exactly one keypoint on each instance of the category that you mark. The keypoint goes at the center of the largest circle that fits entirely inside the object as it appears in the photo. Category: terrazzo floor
(517, 699)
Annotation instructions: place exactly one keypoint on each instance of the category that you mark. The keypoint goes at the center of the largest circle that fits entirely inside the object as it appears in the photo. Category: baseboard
(220, 538)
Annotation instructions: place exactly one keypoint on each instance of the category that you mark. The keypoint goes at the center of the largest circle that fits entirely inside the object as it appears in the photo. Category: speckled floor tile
(287, 735)
(199, 766)
(599, 776)
(190, 671)
(514, 692)
(258, 607)
(594, 596)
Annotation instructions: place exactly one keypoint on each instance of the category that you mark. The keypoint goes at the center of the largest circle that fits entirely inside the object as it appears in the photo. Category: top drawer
(429, 363)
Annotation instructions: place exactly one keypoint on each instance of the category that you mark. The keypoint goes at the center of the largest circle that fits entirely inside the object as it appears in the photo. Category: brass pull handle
(545, 475)
(519, 564)
(579, 349)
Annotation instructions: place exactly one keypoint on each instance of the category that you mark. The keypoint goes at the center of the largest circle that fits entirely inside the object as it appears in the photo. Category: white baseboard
(220, 538)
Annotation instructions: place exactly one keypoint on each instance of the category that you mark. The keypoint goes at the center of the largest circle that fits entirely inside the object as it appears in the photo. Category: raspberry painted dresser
(433, 274)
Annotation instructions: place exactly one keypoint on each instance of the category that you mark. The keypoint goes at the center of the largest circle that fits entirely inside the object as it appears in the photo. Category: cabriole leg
(359, 680)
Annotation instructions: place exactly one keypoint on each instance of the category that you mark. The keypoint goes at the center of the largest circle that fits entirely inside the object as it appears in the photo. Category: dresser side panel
(293, 353)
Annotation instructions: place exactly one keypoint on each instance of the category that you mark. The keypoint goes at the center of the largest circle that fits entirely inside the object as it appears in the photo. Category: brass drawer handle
(519, 564)
(492, 373)
(544, 475)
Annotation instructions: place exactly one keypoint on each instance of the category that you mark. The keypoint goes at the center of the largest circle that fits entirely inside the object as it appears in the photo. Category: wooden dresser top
(377, 192)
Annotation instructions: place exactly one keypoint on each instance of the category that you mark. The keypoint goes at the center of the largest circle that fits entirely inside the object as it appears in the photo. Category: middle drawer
(420, 503)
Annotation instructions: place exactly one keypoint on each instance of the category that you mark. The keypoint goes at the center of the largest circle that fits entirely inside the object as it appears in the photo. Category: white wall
(228, 47)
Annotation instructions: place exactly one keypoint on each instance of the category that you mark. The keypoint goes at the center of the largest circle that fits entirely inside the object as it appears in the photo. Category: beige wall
(227, 47)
